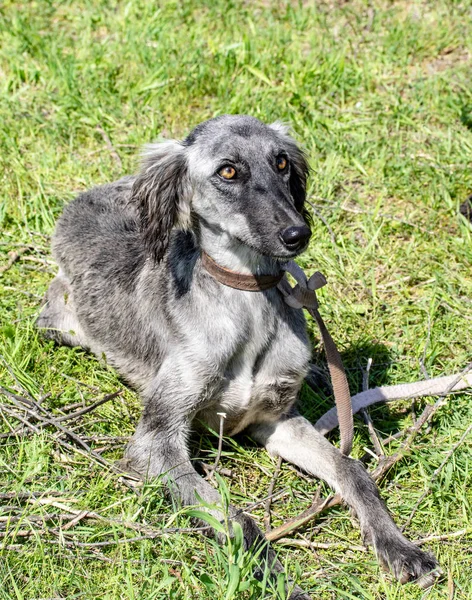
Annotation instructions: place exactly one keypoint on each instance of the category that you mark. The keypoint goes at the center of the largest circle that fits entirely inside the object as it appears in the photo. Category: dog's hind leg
(296, 440)
(58, 320)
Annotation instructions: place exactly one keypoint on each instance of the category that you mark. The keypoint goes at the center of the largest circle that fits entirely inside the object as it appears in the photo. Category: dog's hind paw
(407, 562)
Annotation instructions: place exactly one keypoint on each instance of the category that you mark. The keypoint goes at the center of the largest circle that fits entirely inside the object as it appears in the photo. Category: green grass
(380, 94)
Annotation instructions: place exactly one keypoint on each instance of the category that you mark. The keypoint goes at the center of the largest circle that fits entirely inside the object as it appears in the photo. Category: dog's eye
(281, 162)
(227, 172)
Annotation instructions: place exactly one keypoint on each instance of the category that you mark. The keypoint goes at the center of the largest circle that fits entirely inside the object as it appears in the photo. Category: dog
(135, 285)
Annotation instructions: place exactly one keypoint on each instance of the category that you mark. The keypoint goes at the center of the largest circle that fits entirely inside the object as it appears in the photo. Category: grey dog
(132, 287)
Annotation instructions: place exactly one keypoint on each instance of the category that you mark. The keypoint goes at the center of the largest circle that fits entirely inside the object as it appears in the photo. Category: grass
(380, 93)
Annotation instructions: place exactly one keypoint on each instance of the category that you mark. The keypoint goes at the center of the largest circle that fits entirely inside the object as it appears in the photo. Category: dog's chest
(264, 374)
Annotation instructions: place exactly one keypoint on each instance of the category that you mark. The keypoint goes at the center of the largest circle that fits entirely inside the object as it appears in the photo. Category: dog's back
(90, 227)
(91, 303)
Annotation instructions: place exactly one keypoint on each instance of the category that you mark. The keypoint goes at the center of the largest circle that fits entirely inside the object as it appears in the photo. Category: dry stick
(73, 544)
(7, 519)
(434, 476)
(109, 145)
(324, 221)
(94, 388)
(222, 416)
(87, 409)
(28, 495)
(270, 491)
(14, 256)
(15, 415)
(365, 414)
(250, 507)
(442, 537)
(15, 433)
(304, 543)
(385, 464)
(450, 586)
(74, 516)
(208, 469)
(315, 509)
(22, 404)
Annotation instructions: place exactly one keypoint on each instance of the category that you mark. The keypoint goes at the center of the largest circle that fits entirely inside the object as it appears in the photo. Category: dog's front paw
(407, 562)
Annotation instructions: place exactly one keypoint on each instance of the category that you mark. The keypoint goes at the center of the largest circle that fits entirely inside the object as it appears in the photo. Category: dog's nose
(294, 237)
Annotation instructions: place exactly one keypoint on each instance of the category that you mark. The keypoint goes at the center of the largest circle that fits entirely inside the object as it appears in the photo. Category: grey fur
(131, 287)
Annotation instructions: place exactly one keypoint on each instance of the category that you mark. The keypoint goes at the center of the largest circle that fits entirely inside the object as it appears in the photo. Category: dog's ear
(162, 194)
(299, 167)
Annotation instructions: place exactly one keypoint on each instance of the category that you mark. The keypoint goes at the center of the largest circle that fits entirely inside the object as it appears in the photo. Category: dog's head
(233, 174)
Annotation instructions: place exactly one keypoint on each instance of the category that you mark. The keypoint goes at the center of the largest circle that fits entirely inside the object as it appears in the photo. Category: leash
(303, 295)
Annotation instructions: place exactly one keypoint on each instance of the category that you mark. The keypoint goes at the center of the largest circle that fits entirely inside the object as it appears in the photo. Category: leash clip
(303, 295)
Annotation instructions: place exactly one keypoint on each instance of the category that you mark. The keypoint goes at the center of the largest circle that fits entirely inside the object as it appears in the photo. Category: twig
(270, 491)
(365, 414)
(304, 543)
(28, 495)
(14, 255)
(250, 507)
(15, 415)
(87, 409)
(443, 537)
(74, 544)
(361, 211)
(24, 404)
(324, 221)
(110, 146)
(450, 586)
(435, 475)
(315, 509)
(94, 388)
(222, 416)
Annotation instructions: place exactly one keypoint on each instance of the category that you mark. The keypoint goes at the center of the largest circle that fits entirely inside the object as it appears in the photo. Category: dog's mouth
(288, 250)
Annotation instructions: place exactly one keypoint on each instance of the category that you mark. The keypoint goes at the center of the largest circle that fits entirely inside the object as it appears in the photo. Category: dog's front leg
(159, 448)
(296, 440)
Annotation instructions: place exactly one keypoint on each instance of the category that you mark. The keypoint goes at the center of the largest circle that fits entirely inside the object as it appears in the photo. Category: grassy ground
(380, 93)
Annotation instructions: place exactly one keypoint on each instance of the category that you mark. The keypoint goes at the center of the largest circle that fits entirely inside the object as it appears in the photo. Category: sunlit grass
(380, 95)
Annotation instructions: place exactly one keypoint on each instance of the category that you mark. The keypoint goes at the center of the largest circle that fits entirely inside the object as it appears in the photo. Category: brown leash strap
(239, 281)
(304, 295)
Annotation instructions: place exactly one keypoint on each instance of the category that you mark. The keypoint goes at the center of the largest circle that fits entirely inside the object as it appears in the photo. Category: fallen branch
(109, 145)
(365, 414)
(270, 492)
(318, 506)
(14, 255)
(438, 386)
(303, 543)
(33, 410)
(90, 408)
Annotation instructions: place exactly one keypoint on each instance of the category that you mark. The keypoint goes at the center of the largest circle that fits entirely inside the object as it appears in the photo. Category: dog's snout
(295, 237)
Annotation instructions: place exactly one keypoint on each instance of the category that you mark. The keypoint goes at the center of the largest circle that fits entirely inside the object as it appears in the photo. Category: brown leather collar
(239, 281)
